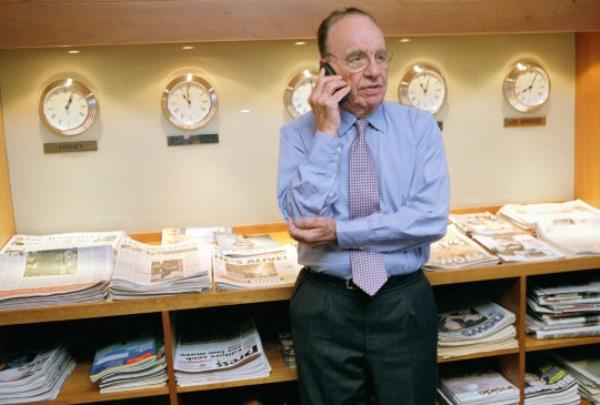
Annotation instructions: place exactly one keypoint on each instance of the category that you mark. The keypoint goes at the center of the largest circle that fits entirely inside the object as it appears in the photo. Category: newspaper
(192, 234)
(57, 276)
(583, 363)
(145, 270)
(545, 382)
(483, 223)
(256, 271)
(232, 244)
(31, 243)
(473, 322)
(576, 236)
(541, 331)
(229, 352)
(519, 248)
(479, 388)
(456, 250)
(528, 216)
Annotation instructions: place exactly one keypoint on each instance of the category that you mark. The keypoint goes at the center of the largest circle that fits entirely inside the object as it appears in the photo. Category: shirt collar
(376, 119)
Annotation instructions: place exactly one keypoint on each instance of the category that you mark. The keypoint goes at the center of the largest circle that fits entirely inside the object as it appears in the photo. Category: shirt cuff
(349, 234)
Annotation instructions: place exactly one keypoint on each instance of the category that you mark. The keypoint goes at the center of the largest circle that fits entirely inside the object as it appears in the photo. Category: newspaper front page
(33, 243)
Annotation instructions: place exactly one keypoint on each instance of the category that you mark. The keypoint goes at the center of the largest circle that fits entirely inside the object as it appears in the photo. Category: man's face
(358, 33)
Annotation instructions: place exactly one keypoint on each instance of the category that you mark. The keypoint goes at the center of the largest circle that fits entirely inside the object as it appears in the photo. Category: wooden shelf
(478, 355)
(78, 389)
(532, 344)
(142, 306)
(280, 372)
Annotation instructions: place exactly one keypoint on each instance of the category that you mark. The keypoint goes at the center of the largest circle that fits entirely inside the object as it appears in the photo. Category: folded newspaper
(456, 250)
(55, 277)
(192, 234)
(547, 383)
(227, 352)
(253, 262)
(475, 388)
(35, 243)
(573, 235)
(34, 375)
(143, 270)
(519, 248)
(483, 223)
(584, 364)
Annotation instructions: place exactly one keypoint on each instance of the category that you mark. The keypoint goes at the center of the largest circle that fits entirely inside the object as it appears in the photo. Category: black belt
(392, 281)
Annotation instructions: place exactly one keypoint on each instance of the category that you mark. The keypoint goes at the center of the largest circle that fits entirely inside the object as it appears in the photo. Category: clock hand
(427, 84)
(69, 102)
(188, 95)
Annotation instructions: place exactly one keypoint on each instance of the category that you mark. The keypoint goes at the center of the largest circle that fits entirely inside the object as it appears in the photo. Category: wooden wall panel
(7, 219)
(43, 23)
(587, 117)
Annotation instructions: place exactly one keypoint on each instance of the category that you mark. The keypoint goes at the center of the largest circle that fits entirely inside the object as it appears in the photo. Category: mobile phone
(329, 71)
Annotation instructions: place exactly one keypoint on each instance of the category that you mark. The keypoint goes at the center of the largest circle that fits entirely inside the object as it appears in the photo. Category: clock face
(296, 94)
(68, 107)
(424, 87)
(527, 87)
(189, 102)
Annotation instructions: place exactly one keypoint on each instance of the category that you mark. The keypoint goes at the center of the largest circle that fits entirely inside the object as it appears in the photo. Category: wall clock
(68, 107)
(295, 96)
(189, 102)
(527, 86)
(424, 87)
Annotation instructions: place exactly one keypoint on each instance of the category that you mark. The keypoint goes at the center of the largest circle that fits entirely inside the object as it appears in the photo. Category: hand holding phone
(329, 71)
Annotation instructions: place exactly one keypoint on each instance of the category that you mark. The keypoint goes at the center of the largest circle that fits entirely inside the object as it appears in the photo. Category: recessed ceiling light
(244, 110)
(405, 40)
(300, 43)
(73, 51)
(187, 47)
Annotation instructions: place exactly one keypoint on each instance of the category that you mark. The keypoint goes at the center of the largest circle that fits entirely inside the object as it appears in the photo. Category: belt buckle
(350, 285)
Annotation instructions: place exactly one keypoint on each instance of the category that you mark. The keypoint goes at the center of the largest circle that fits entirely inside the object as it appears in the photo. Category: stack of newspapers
(573, 226)
(477, 388)
(557, 309)
(456, 250)
(145, 270)
(192, 234)
(226, 352)
(584, 365)
(520, 247)
(36, 375)
(483, 223)
(56, 269)
(241, 262)
(547, 383)
(481, 327)
(134, 364)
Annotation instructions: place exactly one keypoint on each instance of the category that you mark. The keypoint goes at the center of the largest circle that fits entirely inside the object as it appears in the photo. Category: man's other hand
(317, 231)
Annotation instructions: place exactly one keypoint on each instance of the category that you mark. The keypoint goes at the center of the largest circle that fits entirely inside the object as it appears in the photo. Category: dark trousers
(349, 345)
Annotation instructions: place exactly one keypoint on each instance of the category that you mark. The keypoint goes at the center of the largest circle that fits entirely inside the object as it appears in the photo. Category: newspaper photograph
(474, 321)
(483, 223)
(32, 243)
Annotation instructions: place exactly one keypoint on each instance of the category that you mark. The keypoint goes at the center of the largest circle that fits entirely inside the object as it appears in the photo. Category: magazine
(456, 250)
(130, 355)
(479, 388)
(519, 248)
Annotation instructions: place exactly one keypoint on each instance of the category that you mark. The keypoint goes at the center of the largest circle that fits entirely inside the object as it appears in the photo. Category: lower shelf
(280, 372)
(478, 355)
(532, 344)
(78, 389)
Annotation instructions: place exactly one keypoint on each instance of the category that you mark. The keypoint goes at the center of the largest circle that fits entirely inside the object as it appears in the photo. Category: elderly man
(363, 185)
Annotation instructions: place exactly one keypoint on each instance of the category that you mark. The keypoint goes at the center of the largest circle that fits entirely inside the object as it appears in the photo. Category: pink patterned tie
(368, 269)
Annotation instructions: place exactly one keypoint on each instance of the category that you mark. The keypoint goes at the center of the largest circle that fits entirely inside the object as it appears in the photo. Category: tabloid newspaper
(519, 248)
(143, 270)
(253, 262)
(483, 223)
(479, 388)
(34, 375)
(51, 277)
(547, 383)
(228, 352)
(575, 236)
(34, 243)
(584, 364)
(455, 250)
(473, 322)
(192, 234)
(529, 215)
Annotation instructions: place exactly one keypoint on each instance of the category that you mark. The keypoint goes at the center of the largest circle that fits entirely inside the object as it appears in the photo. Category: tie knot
(361, 125)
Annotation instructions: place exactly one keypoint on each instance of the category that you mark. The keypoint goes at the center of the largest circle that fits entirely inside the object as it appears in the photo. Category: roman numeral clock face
(424, 87)
(295, 96)
(189, 102)
(527, 86)
(68, 107)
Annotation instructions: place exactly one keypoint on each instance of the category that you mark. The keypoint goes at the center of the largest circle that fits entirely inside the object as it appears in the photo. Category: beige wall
(136, 183)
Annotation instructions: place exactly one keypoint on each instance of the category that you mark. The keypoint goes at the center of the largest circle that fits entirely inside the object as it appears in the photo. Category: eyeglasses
(358, 61)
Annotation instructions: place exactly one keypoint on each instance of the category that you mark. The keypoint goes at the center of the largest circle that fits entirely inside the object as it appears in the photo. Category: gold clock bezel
(519, 68)
(289, 90)
(211, 94)
(90, 99)
(414, 71)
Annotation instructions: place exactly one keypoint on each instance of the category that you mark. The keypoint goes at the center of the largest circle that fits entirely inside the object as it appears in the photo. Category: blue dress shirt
(413, 185)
